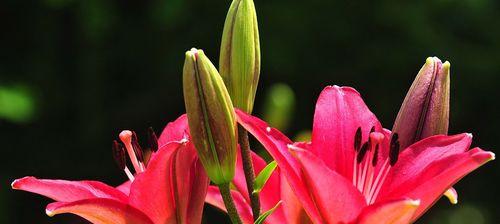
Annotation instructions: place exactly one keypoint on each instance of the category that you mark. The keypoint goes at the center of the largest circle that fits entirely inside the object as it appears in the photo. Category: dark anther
(394, 149)
(373, 129)
(375, 155)
(362, 152)
(357, 139)
(152, 140)
(137, 148)
(119, 155)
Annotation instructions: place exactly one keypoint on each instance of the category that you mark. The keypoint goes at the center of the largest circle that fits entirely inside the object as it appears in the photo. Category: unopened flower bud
(239, 63)
(211, 117)
(425, 109)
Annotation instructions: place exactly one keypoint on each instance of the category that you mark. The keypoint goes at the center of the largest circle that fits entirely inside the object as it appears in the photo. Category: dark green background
(94, 67)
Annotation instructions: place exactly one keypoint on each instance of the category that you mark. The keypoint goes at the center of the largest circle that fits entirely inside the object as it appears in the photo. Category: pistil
(126, 138)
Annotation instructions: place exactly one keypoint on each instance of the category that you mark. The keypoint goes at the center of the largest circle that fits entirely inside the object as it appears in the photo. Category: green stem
(225, 191)
(246, 158)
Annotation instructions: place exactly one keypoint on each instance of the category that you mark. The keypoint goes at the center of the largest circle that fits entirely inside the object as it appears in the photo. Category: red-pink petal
(100, 211)
(244, 210)
(293, 211)
(125, 187)
(413, 160)
(340, 111)
(67, 191)
(151, 190)
(277, 145)
(191, 185)
(443, 174)
(174, 131)
(393, 212)
(337, 200)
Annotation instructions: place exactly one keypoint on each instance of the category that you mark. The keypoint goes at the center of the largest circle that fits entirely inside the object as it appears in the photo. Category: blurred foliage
(278, 107)
(16, 104)
(98, 66)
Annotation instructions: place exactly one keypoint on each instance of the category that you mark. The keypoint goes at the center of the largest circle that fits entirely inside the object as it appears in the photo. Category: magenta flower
(353, 172)
(170, 188)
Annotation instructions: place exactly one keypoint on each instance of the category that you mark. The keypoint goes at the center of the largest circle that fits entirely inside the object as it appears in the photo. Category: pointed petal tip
(49, 212)
(482, 156)
(452, 195)
(14, 184)
(17, 183)
(413, 203)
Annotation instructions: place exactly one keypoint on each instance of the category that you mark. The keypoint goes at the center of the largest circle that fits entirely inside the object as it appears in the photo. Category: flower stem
(229, 203)
(246, 158)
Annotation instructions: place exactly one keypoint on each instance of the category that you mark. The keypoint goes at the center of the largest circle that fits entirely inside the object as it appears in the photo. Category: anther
(375, 155)
(357, 139)
(119, 155)
(137, 148)
(372, 129)
(152, 140)
(394, 149)
(362, 152)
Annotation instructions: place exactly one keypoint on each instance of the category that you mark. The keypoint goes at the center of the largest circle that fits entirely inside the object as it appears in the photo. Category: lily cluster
(353, 170)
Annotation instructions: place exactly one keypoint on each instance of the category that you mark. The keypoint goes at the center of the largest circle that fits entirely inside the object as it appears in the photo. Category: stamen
(394, 149)
(138, 150)
(120, 159)
(375, 156)
(379, 181)
(119, 155)
(372, 129)
(129, 174)
(152, 140)
(363, 151)
(357, 139)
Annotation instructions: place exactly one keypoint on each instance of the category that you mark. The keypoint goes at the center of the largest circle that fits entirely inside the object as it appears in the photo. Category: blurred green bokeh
(77, 72)
(16, 104)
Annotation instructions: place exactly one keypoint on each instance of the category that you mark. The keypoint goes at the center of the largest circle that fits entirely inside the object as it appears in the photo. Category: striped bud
(211, 117)
(425, 109)
(239, 63)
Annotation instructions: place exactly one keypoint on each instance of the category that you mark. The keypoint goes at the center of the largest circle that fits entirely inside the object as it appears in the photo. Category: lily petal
(174, 131)
(337, 200)
(191, 185)
(244, 210)
(392, 212)
(100, 211)
(293, 211)
(68, 191)
(125, 187)
(277, 145)
(339, 112)
(413, 160)
(152, 190)
(444, 173)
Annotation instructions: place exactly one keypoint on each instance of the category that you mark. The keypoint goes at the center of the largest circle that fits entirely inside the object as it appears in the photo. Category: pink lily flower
(170, 188)
(353, 172)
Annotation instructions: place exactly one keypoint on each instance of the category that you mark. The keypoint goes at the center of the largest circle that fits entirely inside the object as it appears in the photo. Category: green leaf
(263, 176)
(264, 215)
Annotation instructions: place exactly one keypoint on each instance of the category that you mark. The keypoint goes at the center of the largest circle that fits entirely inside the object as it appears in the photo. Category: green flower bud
(239, 63)
(211, 117)
(425, 109)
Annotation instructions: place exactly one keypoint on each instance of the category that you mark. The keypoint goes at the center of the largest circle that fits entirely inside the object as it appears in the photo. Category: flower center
(138, 157)
(369, 176)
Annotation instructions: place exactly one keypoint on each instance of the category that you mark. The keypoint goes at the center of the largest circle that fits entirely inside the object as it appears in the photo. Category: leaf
(264, 215)
(263, 176)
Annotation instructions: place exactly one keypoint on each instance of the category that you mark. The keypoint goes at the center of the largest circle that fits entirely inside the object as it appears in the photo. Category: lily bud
(211, 117)
(239, 63)
(425, 109)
